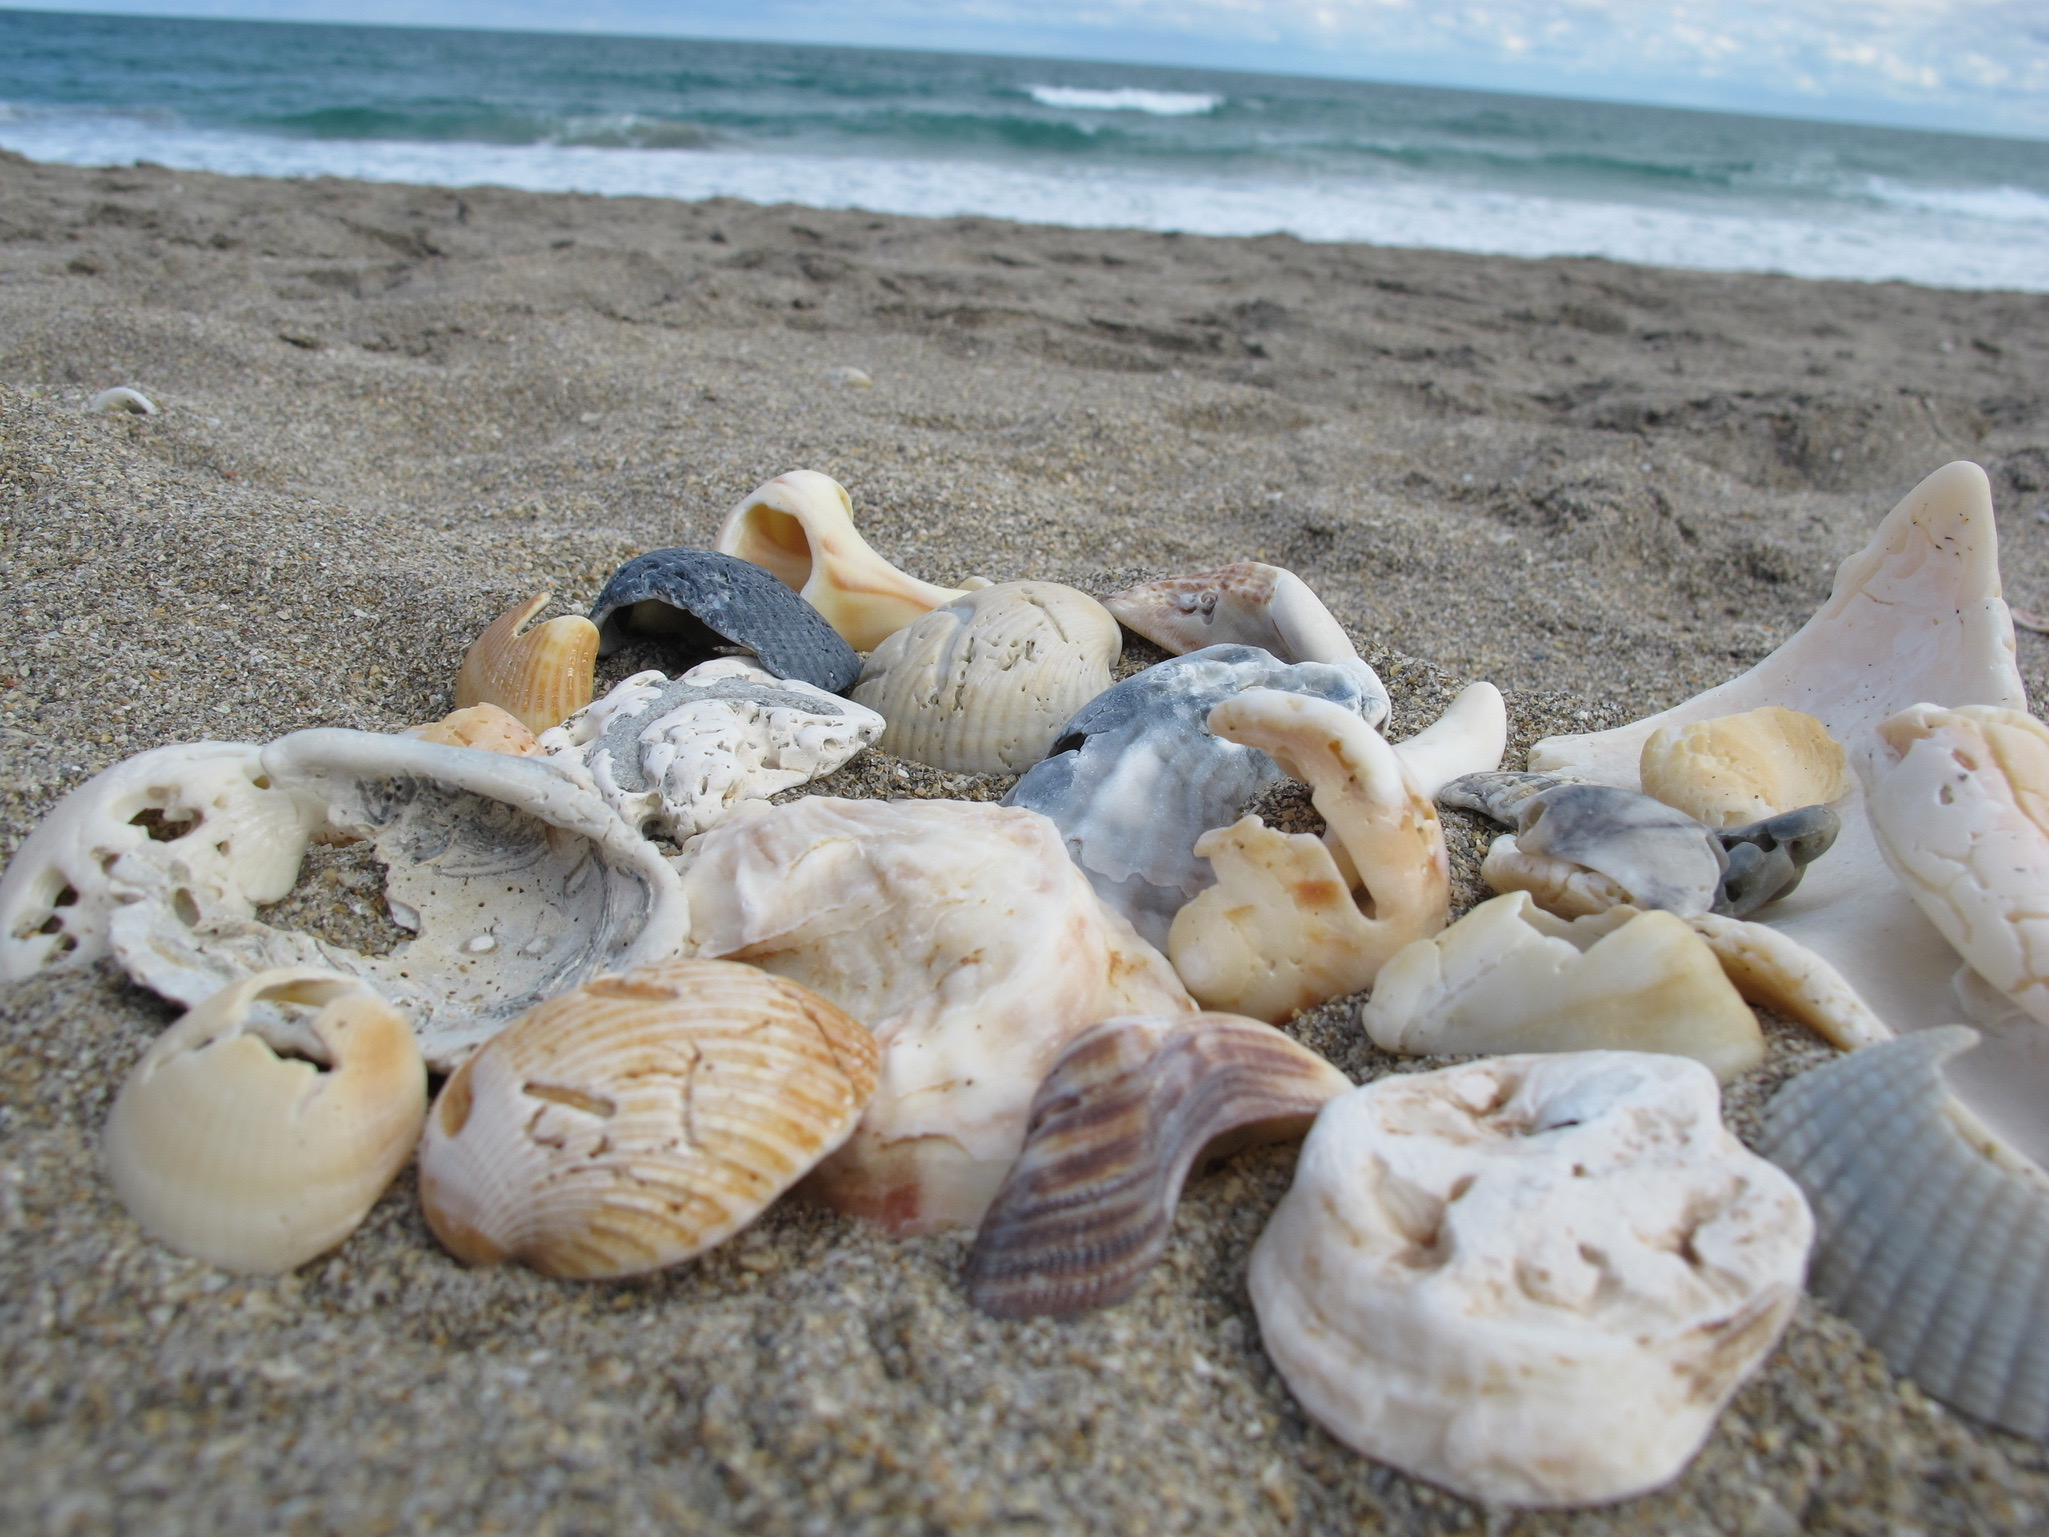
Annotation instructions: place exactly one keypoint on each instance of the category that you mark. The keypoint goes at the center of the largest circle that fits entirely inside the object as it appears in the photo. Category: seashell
(676, 757)
(639, 1120)
(984, 684)
(1776, 971)
(963, 937)
(1534, 1280)
(519, 881)
(1930, 1234)
(257, 1146)
(847, 378)
(204, 807)
(1508, 977)
(541, 676)
(698, 601)
(122, 398)
(1247, 604)
(1127, 1111)
(800, 526)
(1744, 768)
(483, 726)
(1468, 738)
(1282, 930)
(1767, 859)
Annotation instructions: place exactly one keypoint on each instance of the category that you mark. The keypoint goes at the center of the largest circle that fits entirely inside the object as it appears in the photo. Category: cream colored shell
(483, 726)
(1737, 769)
(983, 685)
(640, 1119)
(229, 1145)
(540, 676)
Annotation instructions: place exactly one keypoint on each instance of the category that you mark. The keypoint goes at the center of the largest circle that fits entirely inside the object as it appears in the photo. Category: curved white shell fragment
(1932, 1239)
(203, 807)
(639, 1120)
(122, 398)
(962, 935)
(1282, 929)
(1508, 977)
(984, 684)
(1534, 1280)
(678, 756)
(1775, 970)
(1468, 738)
(1742, 768)
(800, 526)
(255, 1161)
(520, 880)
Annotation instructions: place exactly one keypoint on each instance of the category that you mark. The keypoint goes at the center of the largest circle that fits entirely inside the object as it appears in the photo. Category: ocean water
(1047, 141)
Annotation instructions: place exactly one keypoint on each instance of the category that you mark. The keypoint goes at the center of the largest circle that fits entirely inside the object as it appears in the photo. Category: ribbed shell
(640, 1119)
(1935, 1251)
(541, 677)
(984, 684)
(1115, 1128)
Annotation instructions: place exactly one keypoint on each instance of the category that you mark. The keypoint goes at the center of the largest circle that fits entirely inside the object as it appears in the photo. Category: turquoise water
(1049, 141)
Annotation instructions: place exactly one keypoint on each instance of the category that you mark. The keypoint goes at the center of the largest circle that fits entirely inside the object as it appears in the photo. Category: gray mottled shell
(1933, 1241)
(983, 684)
(1137, 776)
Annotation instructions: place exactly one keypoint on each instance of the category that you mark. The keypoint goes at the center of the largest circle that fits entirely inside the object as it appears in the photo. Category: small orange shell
(483, 726)
(542, 677)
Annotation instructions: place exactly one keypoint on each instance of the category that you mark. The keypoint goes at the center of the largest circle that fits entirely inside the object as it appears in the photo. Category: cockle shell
(519, 881)
(483, 726)
(1126, 1112)
(540, 676)
(640, 1119)
(984, 684)
(1508, 977)
(1534, 1280)
(1282, 930)
(962, 935)
(205, 807)
(800, 526)
(1744, 768)
(699, 602)
(1931, 1236)
(1247, 604)
(256, 1147)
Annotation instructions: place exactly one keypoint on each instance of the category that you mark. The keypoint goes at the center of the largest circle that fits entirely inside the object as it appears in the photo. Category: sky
(1971, 65)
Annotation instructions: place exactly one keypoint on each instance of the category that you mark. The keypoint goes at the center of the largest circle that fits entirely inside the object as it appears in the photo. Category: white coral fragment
(1742, 768)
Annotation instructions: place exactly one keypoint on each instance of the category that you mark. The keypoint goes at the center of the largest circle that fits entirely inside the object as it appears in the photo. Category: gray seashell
(122, 398)
(1933, 1237)
(698, 600)
(1768, 858)
(1137, 776)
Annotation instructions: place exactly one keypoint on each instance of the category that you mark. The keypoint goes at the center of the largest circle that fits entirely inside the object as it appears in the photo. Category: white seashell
(639, 1120)
(1468, 738)
(1533, 1280)
(800, 526)
(1744, 768)
(677, 757)
(1508, 977)
(122, 398)
(962, 935)
(1560, 887)
(204, 807)
(563, 887)
(1282, 930)
(1931, 1236)
(255, 1161)
(1776, 971)
(847, 378)
(984, 684)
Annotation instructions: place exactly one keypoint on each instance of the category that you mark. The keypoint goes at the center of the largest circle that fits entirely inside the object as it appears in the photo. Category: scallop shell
(540, 676)
(518, 879)
(1745, 767)
(800, 527)
(1282, 930)
(1933, 1239)
(1126, 1112)
(639, 1120)
(697, 602)
(984, 684)
(227, 1143)
(483, 726)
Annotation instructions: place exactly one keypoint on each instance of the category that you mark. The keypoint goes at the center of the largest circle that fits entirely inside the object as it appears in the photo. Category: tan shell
(800, 527)
(1562, 888)
(640, 1119)
(542, 676)
(983, 685)
(1128, 1110)
(1776, 971)
(1736, 769)
(254, 1161)
(483, 726)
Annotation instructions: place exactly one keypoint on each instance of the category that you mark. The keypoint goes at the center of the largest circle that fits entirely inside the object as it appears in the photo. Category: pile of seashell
(658, 1000)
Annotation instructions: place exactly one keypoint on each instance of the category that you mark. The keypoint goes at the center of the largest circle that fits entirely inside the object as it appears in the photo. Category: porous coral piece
(1745, 767)
(539, 676)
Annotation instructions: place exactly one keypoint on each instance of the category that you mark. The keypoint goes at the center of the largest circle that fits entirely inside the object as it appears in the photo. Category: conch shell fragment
(539, 676)
(1746, 767)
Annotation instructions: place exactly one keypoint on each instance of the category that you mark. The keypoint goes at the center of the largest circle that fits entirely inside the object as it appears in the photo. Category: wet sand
(388, 412)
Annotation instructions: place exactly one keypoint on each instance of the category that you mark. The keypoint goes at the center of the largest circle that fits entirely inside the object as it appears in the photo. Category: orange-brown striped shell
(541, 676)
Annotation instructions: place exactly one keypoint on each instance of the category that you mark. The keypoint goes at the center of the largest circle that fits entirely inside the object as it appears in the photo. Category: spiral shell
(540, 676)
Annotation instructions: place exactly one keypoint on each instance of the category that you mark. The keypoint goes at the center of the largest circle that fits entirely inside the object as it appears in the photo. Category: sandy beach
(388, 412)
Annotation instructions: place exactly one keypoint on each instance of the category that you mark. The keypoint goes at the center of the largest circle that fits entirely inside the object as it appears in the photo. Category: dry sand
(388, 412)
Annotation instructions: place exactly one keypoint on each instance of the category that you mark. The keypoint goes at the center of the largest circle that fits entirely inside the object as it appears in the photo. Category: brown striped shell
(541, 676)
(1116, 1126)
(640, 1119)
